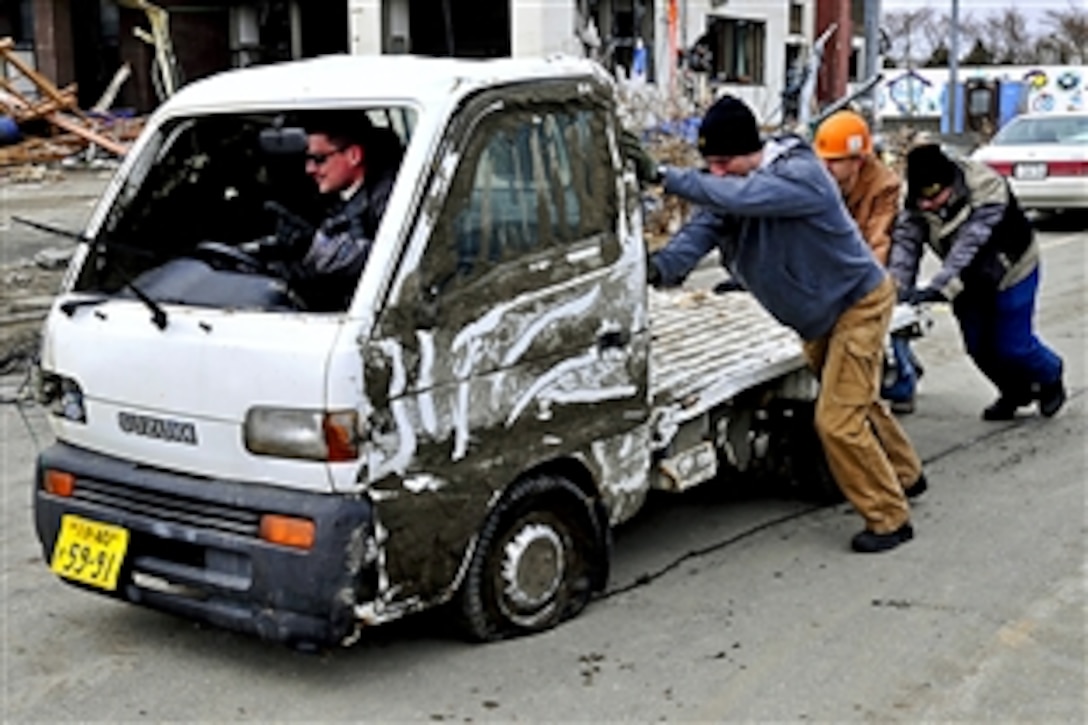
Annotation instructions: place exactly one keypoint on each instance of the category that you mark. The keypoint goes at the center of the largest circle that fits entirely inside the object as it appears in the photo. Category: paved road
(65, 199)
(723, 605)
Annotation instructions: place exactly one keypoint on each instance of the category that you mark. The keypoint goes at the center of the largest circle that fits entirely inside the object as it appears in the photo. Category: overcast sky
(1031, 9)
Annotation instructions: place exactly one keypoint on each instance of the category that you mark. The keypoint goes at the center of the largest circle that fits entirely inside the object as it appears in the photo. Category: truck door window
(532, 183)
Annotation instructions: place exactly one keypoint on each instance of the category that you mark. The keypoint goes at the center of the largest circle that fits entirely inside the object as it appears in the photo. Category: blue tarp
(685, 128)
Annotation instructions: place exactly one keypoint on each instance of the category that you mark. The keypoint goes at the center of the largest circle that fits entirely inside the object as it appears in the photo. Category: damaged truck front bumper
(193, 546)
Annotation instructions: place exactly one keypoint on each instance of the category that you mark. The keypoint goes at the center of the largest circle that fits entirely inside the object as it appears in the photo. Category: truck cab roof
(349, 80)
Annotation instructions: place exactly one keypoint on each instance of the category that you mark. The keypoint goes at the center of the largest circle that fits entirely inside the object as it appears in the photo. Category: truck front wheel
(535, 562)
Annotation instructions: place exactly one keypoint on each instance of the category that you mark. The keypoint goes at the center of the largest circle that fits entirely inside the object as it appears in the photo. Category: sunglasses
(320, 159)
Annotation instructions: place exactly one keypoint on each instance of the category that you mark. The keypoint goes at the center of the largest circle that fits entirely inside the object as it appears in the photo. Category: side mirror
(425, 314)
(287, 141)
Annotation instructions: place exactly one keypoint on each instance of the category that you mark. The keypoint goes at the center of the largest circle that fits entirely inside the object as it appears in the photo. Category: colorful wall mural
(922, 92)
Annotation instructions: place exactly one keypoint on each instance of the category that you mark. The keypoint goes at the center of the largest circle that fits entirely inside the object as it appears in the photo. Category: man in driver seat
(345, 163)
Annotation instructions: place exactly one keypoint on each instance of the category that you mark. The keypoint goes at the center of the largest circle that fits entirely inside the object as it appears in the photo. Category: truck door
(515, 332)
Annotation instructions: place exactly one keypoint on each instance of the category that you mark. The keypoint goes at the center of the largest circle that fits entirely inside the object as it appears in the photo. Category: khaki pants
(870, 456)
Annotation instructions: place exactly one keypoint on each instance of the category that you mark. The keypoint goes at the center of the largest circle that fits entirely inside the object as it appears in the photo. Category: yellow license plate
(89, 551)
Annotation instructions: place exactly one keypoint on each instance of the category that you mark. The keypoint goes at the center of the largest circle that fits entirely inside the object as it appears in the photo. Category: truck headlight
(318, 435)
(61, 396)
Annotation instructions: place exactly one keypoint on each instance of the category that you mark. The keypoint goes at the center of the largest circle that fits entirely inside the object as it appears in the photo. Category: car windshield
(208, 188)
(1049, 129)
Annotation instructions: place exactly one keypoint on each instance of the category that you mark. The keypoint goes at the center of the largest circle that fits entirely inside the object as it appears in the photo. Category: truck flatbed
(708, 348)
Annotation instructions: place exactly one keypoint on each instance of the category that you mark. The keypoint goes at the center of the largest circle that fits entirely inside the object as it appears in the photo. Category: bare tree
(1009, 37)
(1068, 36)
(920, 37)
(905, 30)
(978, 55)
(935, 31)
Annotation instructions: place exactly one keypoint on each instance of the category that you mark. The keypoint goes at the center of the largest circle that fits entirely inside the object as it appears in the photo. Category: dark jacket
(328, 273)
(982, 237)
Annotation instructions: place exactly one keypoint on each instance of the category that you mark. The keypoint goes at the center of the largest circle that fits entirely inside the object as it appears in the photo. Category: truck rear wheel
(536, 562)
(799, 455)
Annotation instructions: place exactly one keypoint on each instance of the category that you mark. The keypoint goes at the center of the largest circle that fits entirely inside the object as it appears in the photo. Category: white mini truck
(501, 391)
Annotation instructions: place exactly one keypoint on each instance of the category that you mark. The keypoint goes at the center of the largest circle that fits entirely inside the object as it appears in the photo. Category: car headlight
(61, 396)
(318, 435)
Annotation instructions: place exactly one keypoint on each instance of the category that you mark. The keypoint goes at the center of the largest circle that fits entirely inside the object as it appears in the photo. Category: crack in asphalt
(649, 577)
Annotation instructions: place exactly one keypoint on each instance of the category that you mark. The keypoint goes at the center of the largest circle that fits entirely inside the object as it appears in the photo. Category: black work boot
(1051, 397)
(870, 542)
(1004, 408)
(918, 487)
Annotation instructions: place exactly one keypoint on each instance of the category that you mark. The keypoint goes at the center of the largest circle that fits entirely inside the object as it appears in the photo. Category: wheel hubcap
(532, 568)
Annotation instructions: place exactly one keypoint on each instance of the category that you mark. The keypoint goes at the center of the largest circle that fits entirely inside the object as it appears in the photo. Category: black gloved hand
(926, 295)
(728, 285)
(653, 274)
(646, 169)
(293, 233)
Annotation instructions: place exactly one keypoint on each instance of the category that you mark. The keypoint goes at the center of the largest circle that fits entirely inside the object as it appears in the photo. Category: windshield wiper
(158, 314)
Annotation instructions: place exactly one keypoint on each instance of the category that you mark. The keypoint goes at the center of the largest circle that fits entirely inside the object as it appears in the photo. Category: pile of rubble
(47, 124)
(664, 214)
(667, 121)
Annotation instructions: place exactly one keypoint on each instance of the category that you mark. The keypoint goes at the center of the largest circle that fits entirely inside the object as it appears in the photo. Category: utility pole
(953, 66)
(872, 52)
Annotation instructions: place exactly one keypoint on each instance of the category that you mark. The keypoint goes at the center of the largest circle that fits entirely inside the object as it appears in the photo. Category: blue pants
(997, 331)
(900, 389)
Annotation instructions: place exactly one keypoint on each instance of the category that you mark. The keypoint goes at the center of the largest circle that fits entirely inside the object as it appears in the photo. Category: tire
(801, 454)
(541, 553)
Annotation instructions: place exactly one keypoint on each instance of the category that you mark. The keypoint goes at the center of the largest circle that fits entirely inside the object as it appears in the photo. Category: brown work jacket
(874, 203)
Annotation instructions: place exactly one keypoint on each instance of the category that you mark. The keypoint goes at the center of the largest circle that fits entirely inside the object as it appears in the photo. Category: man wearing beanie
(966, 213)
(778, 221)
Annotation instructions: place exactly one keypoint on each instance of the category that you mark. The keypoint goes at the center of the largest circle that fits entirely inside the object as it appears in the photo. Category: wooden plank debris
(69, 129)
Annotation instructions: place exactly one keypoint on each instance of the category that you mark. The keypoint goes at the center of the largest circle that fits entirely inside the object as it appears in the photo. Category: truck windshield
(263, 210)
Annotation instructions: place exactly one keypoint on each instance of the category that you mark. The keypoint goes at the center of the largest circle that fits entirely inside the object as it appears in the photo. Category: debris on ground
(26, 293)
(48, 125)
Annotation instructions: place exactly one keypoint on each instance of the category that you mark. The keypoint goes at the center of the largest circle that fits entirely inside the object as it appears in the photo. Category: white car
(1045, 157)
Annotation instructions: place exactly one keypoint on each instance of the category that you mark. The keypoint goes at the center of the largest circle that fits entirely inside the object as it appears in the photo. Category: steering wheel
(224, 256)
(291, 228)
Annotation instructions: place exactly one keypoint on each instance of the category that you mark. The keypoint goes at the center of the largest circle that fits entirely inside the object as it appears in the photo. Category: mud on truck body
(501, 391)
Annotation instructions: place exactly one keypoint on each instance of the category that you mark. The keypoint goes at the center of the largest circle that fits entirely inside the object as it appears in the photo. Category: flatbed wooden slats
(708, 347)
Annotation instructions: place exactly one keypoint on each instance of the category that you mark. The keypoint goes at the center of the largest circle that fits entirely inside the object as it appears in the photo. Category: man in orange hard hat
(872, 194)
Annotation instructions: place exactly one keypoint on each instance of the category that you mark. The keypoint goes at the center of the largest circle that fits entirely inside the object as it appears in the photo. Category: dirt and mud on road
(32, 262)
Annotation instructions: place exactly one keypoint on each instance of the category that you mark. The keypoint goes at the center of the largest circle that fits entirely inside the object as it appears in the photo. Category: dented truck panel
(515, 336)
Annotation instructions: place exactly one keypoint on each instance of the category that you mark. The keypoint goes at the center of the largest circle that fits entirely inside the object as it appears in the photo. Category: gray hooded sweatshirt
(782, 231)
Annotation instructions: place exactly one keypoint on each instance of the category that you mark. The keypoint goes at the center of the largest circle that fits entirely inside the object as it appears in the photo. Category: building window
(797, 17)
(17, 21)
(740, 50)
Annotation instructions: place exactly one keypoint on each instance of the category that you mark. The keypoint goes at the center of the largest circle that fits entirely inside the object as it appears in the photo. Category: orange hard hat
(841, 135)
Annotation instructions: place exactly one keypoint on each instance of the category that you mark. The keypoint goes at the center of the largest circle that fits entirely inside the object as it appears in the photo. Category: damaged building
(751, 48)
(164, 43)
(746, 46)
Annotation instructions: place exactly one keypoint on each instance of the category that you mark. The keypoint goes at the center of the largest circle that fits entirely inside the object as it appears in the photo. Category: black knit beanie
(729, 129)
(928, 172)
